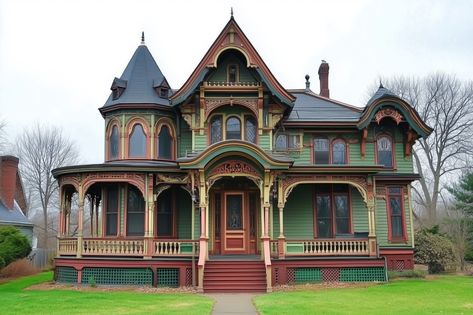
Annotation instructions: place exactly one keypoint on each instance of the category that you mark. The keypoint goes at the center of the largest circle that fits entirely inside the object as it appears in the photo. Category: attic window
(117, 92)
(232, 73)
(163, 92)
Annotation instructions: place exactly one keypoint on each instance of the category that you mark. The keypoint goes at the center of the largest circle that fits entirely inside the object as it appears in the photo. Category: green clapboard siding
(185, 144)
(299, 214)
(184, 218)
(200, 142)
(263, 142)
(382, 224)
(359, 212)
(303, 157)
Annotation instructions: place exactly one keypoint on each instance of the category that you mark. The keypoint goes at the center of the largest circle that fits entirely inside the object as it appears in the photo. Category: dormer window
(163, 92)
(118, 87)
(232, 73)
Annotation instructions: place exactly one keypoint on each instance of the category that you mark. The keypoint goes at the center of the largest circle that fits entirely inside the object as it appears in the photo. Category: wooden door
(235, 223)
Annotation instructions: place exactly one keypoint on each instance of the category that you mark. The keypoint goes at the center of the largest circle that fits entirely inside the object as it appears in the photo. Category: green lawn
(442, 295)
(15, 300)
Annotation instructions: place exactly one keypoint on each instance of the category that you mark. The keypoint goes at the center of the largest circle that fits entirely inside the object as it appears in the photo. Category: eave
(340, 169)
(133, 106)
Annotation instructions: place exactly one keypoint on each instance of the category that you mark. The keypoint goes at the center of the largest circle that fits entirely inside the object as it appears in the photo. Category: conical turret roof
(138, 83)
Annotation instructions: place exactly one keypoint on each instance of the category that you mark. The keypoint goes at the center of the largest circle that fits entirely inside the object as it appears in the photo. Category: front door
(235, 223)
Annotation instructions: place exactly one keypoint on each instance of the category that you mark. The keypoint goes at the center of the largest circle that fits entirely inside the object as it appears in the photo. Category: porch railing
(324, 247)
(127, 247)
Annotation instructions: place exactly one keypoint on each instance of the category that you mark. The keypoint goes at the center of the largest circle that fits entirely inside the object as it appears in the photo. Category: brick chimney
(8, 170)
(323, 77)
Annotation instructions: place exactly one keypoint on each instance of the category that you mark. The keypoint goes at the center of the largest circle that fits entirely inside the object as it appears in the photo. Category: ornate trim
(250, 103)
(388, 112)
(137, 180)
(172, 179)
(234, 167)
(73, 180)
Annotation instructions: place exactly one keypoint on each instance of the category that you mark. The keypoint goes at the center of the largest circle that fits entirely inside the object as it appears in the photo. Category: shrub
(2, 262)
(92, 282)
(19, 268)
(13, 244)
(406, 274)
(434, 250)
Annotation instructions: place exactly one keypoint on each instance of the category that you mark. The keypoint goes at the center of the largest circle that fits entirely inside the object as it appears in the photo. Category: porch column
(281, 238)
(80, 225)
(371, 228)
(149, 207)
(203, 240)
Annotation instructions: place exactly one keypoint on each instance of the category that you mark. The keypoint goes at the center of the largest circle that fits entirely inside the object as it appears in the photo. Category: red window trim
(332, 195)
(403, 238)
(125, 217)
(330, 149)
(108, 154)
(393, 150)
(130, 126)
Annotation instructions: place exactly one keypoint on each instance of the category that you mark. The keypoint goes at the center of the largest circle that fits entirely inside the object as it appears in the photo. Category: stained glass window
(385, 151)
(137, 142)
(339, 152)
(216, 129)
(234, 212)
(250, 129)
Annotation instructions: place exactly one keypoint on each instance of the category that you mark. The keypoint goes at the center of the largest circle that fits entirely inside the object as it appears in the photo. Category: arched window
(321, 151)
(135, 215)
(339, 152)
(137, 145)
(250, 129)
(281, 142)
(216, 129)
(233, 128)
(384, 147)
(165, 143)
(114, 143)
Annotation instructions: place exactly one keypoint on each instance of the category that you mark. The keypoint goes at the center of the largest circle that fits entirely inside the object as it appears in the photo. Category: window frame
(173, 235)
(244, 129)
(130, 126)
(314, 160)
(222, 132)
(127, 189)
(159, 127)
(393, 152)
(227, 118)
(106, 212)
(237, 72)
(290, 146)
(332, 145)
(331, 193)
(113, 124)
(396, 239)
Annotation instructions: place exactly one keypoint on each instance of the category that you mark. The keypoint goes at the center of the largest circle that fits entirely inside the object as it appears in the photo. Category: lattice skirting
(118, 276)
(66, 275)
(299, 275)
(168, 277)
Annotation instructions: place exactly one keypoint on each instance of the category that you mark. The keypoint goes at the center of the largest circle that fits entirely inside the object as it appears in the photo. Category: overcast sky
(58, 58)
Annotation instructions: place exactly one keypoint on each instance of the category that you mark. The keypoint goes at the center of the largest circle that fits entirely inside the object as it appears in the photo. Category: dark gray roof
(13, 216)
(139, 80)
(380, 93)
(310, 107)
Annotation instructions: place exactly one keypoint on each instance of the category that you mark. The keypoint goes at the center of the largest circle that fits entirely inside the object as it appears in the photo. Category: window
(384, 148)
(137, 142)
(395, 207)
(250, 129)
(233, 128)
(111, 213)
(165, 214)
(232, 75)
(163, 92)
(114, 142)
(216, 129)
(286, 141)
(339, 152)
(165, 143)
(135, 215)
(321, 151)
(332, 210)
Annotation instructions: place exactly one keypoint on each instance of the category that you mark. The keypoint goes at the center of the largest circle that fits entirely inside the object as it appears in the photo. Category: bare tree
(445, 104)
(3, 136)
(42, 149)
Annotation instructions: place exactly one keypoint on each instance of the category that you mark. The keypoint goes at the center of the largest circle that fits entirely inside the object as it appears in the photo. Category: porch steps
(234, 276)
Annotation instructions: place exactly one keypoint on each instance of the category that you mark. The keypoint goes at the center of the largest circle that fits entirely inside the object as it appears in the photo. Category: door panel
(235, 224)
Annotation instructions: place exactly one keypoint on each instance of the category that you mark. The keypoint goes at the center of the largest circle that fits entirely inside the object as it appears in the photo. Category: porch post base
(372, 246)
(281, 247)
(148, 248)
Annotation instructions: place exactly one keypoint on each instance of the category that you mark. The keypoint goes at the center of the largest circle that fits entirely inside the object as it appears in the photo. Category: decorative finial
(381, 84)
(307, 82)
(231, 11)
(142, 38)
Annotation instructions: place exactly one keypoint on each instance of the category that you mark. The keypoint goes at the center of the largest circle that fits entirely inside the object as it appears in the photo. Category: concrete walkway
(233, 303)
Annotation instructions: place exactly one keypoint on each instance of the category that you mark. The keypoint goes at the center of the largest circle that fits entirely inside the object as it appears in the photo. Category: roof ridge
(313, 94)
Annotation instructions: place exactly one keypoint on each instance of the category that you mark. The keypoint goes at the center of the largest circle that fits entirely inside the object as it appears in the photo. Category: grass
(15, 300)
(439, 295)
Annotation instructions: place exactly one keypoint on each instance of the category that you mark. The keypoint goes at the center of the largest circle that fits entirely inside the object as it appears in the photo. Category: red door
(235, 223)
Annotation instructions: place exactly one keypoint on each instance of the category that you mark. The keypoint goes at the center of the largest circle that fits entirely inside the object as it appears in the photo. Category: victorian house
(235, 183)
